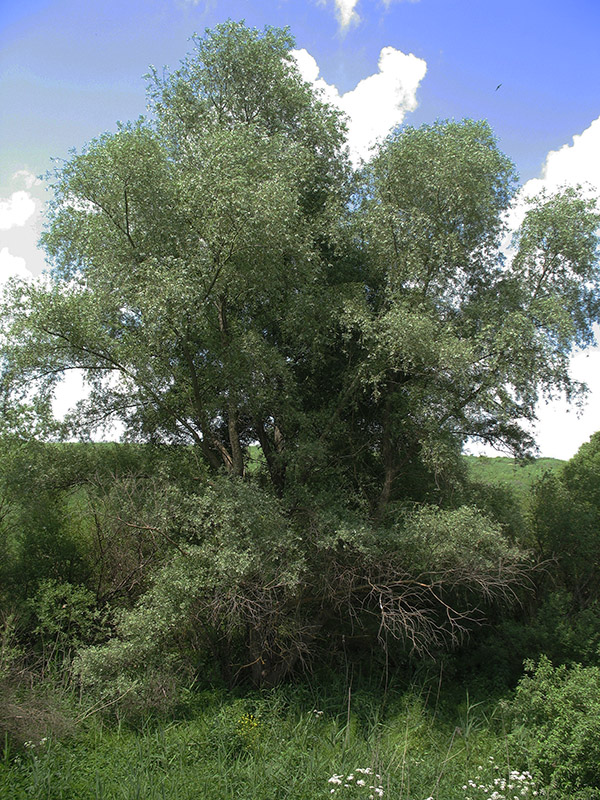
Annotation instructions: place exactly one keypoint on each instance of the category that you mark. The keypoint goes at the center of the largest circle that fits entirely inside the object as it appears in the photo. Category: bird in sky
(497, 87)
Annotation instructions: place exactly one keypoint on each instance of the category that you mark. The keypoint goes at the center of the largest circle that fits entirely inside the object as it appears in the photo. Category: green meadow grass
(510, 473)
(267, 746)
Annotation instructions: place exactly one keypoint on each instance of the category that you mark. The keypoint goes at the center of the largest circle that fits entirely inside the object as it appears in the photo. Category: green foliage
(581, 475)
(558, 254)
(11, 652)
(300, 746)
(34, 481)
(66, 616)
(492, 660)
(219, 286)
(565, 518)
(559, 521)
(236, 557)
(453, 338)
(557, 713)
(251, 592)
(297, 355)
(236, 729)
(60, 506)
(193, 342)
(502, 486)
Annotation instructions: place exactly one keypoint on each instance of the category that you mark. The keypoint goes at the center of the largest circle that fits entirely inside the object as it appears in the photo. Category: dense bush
(565, 518)
(556, 713)
(251, 590)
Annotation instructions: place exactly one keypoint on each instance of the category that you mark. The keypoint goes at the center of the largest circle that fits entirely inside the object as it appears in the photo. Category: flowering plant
(363, 782)
(516, 786)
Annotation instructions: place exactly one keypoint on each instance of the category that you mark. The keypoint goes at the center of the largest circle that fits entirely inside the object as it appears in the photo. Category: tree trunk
(236, 461)
(272, 451)
(237, 457)
(390, 462)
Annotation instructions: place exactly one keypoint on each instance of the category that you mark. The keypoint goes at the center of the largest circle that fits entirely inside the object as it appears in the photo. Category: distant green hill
(508, 472)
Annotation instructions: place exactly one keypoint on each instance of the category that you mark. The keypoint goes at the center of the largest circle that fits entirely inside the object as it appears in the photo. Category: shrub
(254, 591)
(66, 616)
(556, 719)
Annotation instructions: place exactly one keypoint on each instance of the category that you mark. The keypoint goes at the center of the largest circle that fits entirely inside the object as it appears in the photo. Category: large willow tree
(224, 280)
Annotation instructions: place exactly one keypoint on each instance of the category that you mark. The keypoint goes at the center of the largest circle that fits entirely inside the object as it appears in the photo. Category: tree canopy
(222, 279)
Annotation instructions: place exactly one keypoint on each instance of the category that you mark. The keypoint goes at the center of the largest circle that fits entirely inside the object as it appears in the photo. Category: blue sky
(69, 70)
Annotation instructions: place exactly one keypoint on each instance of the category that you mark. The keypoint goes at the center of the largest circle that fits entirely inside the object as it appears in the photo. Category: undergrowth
(298, 743)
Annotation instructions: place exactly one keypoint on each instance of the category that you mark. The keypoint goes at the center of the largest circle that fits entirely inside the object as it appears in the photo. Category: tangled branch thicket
(263, 611)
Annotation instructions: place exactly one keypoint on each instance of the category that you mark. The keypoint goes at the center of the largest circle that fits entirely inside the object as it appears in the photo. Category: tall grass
(267, 746)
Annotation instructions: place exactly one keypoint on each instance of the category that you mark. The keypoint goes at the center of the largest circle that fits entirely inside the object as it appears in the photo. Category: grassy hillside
(508, 472)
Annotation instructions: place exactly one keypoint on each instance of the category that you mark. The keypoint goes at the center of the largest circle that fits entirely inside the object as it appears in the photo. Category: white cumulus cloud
(574, 163)
(12, 266)
(16, 210)
(28, 179)
(378, 103)
(346, 13)
(563, 428)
